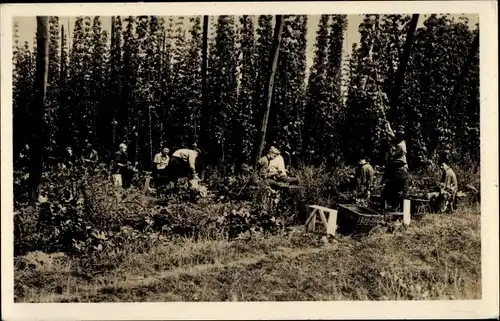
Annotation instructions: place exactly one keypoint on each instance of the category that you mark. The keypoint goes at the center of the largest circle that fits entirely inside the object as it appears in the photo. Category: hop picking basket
(353, 218)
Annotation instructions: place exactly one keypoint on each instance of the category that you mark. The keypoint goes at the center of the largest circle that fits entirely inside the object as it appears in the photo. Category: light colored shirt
(188, 155)
(366, 177)
(449, 179)
(161, 160)
(399, 152)
(277, 167)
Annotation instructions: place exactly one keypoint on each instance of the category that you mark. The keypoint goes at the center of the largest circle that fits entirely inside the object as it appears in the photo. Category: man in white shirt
(398, 148)
(277, 169)
(263, 162)
(161, 162)
(183, 164)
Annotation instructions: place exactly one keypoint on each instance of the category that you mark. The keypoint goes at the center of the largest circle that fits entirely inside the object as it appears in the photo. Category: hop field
(109, 245)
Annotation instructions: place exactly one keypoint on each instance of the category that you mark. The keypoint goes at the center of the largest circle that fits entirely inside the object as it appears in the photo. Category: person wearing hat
(276, 172)
(277, 169)
(365, 177)
(264, 161)
(183, 164)
(397, 153)
(161, 162)
(398, 148)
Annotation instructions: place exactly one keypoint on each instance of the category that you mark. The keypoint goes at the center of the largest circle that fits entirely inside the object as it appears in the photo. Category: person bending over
(183, 164)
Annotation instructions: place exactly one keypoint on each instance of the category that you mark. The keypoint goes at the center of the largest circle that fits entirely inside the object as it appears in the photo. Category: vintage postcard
(249, 160)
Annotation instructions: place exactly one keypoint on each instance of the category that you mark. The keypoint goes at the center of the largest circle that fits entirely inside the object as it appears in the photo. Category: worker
(263, 162)
(276, 169)
(448, 187)
(121, 164)
(161, 161)
(183, 164)
(69, 158)
(448, 178)
(276, 172)
(90, 156)
(365, 177)
(396, 186)
(398, 149)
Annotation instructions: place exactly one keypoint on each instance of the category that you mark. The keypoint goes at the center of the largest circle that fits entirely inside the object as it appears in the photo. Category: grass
(438, 257)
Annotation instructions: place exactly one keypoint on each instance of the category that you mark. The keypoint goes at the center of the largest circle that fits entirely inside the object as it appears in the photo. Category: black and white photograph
(271, 156)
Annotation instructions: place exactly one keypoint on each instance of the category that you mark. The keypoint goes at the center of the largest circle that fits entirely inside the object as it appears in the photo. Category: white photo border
(486, 307)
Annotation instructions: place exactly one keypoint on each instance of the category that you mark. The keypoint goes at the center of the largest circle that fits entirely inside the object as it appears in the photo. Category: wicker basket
(357, 219)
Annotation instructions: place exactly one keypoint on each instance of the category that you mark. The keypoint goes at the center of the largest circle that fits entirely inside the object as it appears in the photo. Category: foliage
(143, 87)
(287, 110)
(317, 109)
(245, 132)
(222, 67)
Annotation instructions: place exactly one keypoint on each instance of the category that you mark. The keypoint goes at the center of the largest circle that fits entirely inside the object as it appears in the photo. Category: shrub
(82, 212)
(325, 187)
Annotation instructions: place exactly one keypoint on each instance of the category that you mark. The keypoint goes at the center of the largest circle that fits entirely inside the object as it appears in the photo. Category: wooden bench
(327, 217)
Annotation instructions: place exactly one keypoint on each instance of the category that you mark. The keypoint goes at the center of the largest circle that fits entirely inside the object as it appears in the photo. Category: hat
(274, 150)
(123, 145)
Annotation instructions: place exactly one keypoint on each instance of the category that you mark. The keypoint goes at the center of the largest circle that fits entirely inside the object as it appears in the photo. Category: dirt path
(130, 282)
(286, 253)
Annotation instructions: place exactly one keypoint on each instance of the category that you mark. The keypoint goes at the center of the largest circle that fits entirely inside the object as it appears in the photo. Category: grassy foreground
(438, 257)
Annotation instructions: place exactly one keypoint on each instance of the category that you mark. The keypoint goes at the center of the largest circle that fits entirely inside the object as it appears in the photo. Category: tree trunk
(269, 89)
(398, 83)
(37, 144)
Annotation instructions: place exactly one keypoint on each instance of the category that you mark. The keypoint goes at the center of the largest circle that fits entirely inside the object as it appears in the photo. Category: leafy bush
(83, 213)
(325, 187)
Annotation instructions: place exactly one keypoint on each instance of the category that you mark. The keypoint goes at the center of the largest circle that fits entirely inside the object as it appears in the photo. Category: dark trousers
(127, 176)
(160, 176)
(177, 168)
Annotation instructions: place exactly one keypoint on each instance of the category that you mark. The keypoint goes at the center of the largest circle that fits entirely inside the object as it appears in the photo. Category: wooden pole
(38, 112)
(398, 84)
(113, 122)
(269, 90)
(204, 53)
(204, 89)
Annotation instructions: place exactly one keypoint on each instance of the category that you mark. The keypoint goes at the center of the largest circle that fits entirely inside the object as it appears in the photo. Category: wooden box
(357, 219)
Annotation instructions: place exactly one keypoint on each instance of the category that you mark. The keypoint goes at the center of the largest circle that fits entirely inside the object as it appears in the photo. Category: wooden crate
(419, 207)
(357, 219)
